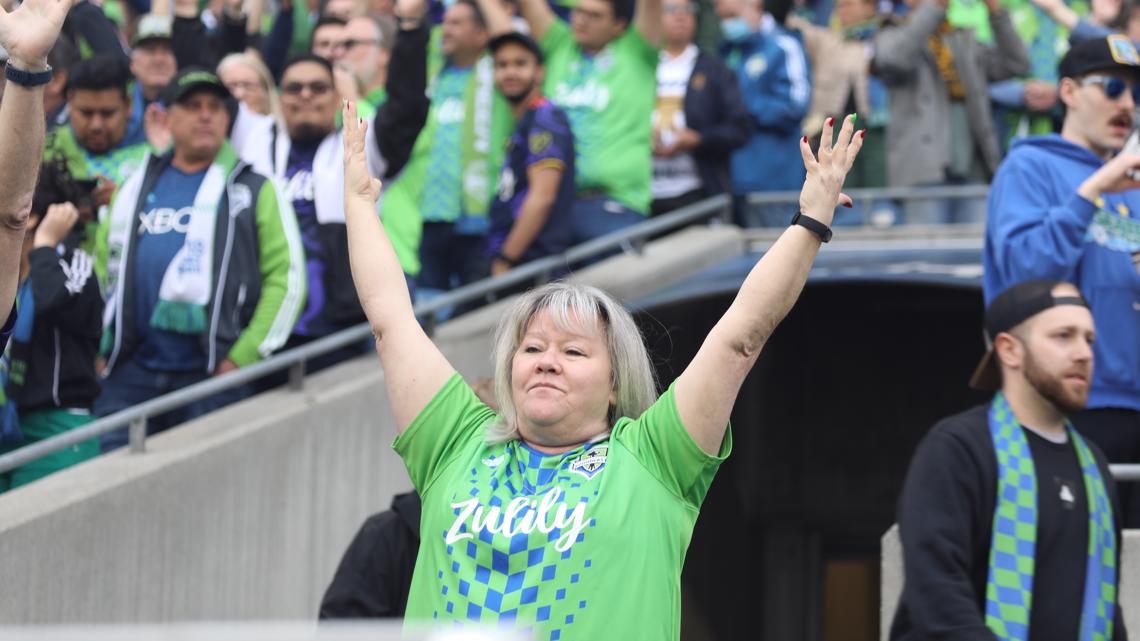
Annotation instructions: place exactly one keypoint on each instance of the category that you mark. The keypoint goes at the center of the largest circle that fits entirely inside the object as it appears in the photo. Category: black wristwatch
(812, 225)
(27, 78)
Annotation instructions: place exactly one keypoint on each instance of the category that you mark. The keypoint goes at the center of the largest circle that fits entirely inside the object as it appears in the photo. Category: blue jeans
(130, 384)
(448, 260)
(598, 215)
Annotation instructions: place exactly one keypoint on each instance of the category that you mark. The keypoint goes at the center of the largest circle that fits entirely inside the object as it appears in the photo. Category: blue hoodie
(1038, 227)
(775, 83)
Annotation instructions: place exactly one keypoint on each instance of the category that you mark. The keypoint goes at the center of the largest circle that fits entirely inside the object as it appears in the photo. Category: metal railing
(135, 418)
(935, 192)
(539, 271)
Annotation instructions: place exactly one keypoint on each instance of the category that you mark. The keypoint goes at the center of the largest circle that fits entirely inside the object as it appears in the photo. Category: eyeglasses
(352, 42)
(244, 85)
(1113, 87)
(689, 8)
(317, 88)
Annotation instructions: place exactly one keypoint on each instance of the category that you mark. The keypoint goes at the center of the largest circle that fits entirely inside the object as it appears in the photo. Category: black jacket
(375, 574)
(715, 110)
(195, 47)
(400, 119)
(56, 367)
(92, 32)
(945, 518)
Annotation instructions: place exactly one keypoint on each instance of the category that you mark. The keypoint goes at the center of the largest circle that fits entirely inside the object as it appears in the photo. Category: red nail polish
(805, 138)
(830, 121)
(848, 205)
(862, 133)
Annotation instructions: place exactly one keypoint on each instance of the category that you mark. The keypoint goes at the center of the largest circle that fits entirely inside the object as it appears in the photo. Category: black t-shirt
(1062, 541)
(945, 517)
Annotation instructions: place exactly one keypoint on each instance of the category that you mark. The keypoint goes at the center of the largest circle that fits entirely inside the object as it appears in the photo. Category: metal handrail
(933, 192)
(631, 239)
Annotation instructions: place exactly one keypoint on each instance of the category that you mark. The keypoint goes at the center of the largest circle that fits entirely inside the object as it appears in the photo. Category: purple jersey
(542, 138)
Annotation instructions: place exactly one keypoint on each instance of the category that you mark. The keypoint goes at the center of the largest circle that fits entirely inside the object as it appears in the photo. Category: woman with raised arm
(569, 512)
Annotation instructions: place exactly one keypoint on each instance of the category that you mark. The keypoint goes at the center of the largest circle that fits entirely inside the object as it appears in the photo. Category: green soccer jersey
(609, 99)
(587, 544)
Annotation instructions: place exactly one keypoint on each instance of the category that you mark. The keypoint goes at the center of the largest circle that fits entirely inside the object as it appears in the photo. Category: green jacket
(258, 287)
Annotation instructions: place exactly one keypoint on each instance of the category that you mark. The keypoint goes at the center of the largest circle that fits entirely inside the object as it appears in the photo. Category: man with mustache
(1065, 207)
(1007, 517)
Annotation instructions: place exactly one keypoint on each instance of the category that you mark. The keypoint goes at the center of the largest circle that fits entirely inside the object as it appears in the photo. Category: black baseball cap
(517, 38)
(1111, 53)
(191, 80)
(1009, 309)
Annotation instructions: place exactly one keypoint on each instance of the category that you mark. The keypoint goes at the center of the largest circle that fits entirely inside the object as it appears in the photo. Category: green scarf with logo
(487, 124)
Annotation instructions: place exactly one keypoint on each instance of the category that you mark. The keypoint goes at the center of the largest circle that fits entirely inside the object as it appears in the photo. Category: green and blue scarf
(1009, 587)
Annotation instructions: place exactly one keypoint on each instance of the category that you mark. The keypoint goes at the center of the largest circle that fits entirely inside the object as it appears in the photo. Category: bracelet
(27, 78)
(503, 257)
(823, 232)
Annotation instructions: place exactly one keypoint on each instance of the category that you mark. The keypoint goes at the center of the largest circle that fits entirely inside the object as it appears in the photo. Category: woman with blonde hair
(569, 512)
(249, 80)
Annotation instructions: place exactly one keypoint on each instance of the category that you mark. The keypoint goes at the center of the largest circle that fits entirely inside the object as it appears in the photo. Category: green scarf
(487, 124)
(1009, 587)
(481, 158)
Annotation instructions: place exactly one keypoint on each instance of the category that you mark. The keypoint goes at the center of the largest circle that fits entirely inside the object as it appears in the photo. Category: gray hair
(570, 306)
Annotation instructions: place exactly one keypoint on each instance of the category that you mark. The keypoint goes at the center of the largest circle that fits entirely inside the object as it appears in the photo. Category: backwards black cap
(1009, 309)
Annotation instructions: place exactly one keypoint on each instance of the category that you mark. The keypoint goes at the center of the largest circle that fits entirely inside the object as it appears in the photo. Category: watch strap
(27, 78)
(499, 255)
(812, 225)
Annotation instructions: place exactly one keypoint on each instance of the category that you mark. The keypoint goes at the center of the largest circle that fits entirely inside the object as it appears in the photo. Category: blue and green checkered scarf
(1009, 588)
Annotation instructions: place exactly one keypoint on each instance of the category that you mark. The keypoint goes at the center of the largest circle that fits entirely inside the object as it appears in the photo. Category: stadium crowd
(203, 162)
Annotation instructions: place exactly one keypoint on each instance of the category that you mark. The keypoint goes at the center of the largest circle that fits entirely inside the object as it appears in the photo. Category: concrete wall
(245, 513)
(892, 580)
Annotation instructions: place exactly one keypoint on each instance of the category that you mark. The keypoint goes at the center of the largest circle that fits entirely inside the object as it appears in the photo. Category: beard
(519, 97)
(1052, 387)
(307, 134)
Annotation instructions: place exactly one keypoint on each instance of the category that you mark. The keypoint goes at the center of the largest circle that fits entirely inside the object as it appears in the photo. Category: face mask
(735, 29)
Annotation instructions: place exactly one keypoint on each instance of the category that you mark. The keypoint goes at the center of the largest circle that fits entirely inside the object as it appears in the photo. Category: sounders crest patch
(591, 461)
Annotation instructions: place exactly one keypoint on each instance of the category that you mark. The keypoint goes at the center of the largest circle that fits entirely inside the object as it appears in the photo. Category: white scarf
(186, 284)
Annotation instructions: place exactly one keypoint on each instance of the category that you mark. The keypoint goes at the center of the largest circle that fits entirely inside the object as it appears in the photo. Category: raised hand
(410, 9)
(826, 173)
(1113, 176)
(29, 32)
(56, 225)
(358, 183)
(157, 127)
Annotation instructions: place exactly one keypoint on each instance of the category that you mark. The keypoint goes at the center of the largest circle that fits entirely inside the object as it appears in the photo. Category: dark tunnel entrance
(787, 544)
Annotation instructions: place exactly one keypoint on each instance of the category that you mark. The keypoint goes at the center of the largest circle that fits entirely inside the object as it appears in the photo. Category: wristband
(27, 78)
(503, 257)
(812, 225)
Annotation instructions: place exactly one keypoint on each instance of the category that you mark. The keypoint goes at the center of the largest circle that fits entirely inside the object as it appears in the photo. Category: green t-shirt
(609, 99)
(549, 542)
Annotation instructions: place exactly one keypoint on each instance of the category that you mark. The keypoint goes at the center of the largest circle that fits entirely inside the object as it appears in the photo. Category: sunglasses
(1113, 87)
(318, 88)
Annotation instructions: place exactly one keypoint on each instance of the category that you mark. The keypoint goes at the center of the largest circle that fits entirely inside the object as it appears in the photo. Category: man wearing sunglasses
(307, 157)
(1065, 207)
